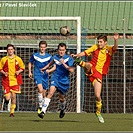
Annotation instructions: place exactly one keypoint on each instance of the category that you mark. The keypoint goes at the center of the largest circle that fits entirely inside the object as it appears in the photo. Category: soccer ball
(65, 30)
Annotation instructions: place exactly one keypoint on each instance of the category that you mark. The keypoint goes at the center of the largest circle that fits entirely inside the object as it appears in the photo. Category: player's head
(102, 41)
(10, 49)
(62, 49)
(42, 46)
(42, 43)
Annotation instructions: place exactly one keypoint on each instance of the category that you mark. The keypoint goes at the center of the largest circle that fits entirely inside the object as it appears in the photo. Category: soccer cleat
(39, 110)
(77, 61)
(62, 113)
(11, 115)
(100, 118)
(41, 115)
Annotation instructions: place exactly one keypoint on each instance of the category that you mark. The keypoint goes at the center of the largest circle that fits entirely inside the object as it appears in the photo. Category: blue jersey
(39, 62)
(60, 77)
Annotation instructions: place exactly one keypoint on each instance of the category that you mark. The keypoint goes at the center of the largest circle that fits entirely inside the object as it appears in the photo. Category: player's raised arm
(116, 36)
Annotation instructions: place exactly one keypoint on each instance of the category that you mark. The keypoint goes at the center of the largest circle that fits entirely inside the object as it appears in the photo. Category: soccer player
(40, 60)
(11, 67)
(98, 66)
(59, 79)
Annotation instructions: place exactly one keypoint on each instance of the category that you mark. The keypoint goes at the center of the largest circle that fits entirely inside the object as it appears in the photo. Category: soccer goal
(25, 33)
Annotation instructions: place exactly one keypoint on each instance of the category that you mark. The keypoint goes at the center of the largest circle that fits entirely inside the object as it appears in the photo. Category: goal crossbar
(40, 18)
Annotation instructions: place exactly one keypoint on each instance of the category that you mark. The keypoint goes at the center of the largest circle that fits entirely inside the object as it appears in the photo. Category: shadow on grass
(54, 120)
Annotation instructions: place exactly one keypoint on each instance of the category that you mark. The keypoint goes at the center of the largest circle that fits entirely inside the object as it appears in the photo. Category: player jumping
(98, 66)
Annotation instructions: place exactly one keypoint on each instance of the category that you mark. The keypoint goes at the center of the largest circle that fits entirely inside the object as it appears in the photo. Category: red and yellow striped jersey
(100, 57)
(11, 65)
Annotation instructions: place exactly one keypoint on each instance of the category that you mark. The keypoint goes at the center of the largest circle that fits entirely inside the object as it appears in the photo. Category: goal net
(25, 33)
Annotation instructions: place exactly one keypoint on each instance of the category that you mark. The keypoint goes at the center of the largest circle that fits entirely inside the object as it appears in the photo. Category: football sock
(46, 104)
(62, 105)
(12, 108)
(40, 98)
(98, 107)
(43, 100)
(82, 64)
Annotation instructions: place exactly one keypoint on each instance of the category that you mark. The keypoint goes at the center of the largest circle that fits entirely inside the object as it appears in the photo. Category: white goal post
(78, 20)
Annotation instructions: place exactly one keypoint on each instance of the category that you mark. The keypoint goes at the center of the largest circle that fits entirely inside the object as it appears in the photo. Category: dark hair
(102, 37)
(42, 42)
(62, 45)
(10, 45)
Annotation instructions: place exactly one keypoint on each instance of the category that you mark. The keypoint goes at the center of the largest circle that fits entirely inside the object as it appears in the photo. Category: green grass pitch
(70, 122)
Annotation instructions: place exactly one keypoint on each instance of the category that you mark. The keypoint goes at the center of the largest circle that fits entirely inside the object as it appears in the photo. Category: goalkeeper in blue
(40, 59)
(63, 66)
